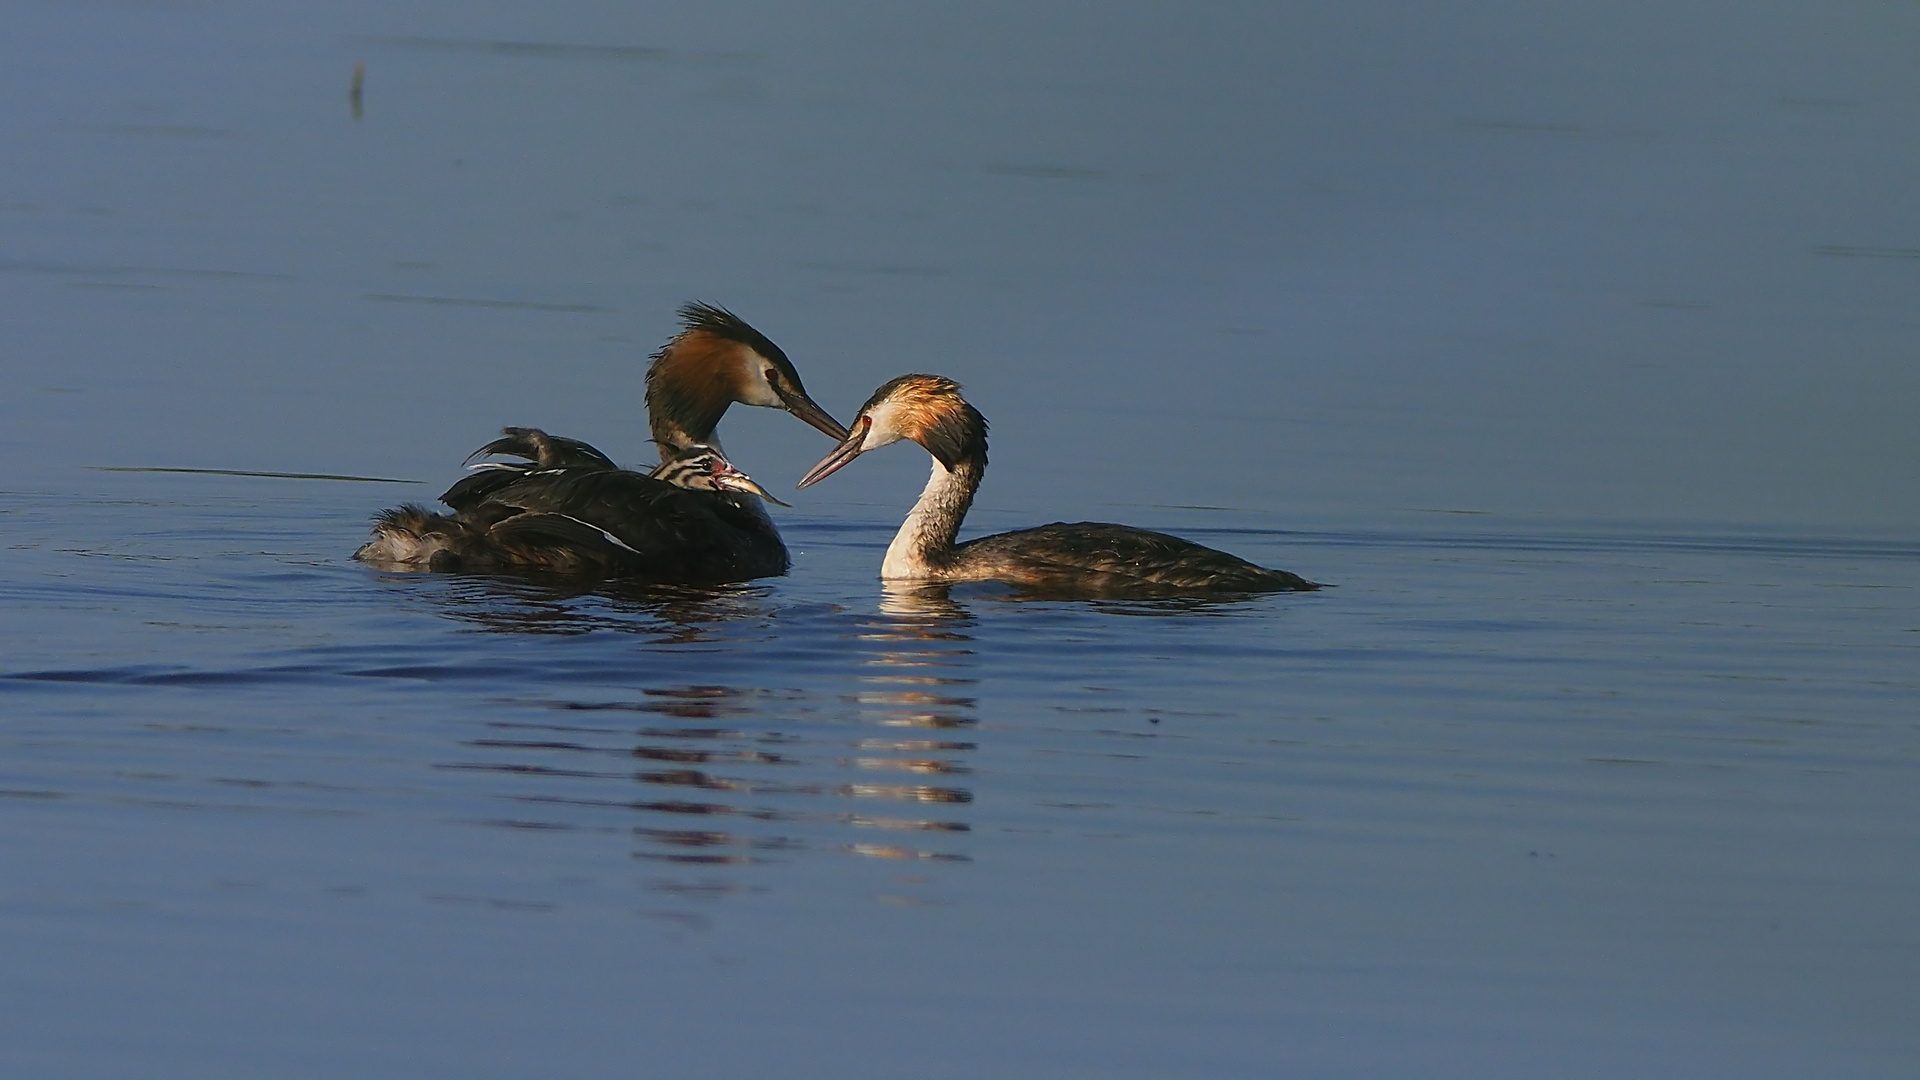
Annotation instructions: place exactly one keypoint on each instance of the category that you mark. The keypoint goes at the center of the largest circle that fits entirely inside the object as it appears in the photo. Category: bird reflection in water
(551, 604)
(913, 686)
(766, 788)
(929, 603)
(730, 780)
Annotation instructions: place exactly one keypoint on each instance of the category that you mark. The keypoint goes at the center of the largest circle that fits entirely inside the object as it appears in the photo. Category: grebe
(1085, 558)
(623, 521)
(715, 360)
(567, 509)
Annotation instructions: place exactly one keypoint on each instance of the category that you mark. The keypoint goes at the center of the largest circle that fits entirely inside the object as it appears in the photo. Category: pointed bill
(802, 406)
(851, 447)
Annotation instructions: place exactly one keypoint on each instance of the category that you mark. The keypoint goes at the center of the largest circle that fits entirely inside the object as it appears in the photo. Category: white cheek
(754, 389)
(762, 395)
(885, 430)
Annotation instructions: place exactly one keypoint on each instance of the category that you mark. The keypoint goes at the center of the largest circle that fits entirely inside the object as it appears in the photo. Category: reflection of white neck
(923, 548)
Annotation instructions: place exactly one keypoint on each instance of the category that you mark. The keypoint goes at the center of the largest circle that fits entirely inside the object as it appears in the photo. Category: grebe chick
(715, 360)
(569, 510)
(1091, 558)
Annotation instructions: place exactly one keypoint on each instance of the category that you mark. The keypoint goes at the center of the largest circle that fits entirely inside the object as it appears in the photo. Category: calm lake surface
(1575, 350)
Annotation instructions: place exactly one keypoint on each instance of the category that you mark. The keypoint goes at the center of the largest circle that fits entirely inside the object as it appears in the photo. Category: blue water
(1510, 799)
(1573, 347)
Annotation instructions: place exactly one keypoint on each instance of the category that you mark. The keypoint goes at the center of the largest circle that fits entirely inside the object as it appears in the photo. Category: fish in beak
(732, 479)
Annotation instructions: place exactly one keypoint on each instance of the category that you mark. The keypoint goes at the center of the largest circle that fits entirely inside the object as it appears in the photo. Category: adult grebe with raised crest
(568, 508)
(1087, 557)
(716, 360)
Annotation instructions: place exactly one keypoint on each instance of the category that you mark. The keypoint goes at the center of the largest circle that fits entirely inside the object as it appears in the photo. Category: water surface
(1574, 348)
(1509, 799)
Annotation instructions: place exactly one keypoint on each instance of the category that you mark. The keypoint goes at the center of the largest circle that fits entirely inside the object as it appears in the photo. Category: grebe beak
(803, 407)
(848, 449)
(735, 480)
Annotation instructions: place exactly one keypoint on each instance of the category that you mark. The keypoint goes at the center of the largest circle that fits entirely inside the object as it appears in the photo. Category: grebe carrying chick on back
(1087, 558)
(586, 518)
(568, 508)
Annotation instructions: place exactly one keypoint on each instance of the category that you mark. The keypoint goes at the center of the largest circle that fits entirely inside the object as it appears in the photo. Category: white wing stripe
(611, 539)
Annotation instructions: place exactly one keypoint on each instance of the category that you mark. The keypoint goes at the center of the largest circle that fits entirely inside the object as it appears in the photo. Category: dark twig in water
(247, 472)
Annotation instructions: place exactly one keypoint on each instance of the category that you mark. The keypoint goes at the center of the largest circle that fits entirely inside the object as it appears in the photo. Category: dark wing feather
(1098, 554)
(544, 450)
(636, 525)
(476, 487)
(568, 508)
(558, 542)
(541, 451)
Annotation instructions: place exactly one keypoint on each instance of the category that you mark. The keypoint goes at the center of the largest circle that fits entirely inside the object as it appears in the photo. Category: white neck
(923, 548)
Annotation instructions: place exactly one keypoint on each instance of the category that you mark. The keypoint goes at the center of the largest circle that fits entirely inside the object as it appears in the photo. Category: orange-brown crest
(693, 379)
(929, 410)
(715, 360)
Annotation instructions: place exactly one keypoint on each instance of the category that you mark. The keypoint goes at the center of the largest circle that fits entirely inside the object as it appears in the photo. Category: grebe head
(705, 468)
(926, 409)
(717, 359)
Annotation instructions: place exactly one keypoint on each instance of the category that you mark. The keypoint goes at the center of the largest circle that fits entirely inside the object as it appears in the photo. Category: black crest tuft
(720, 322)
